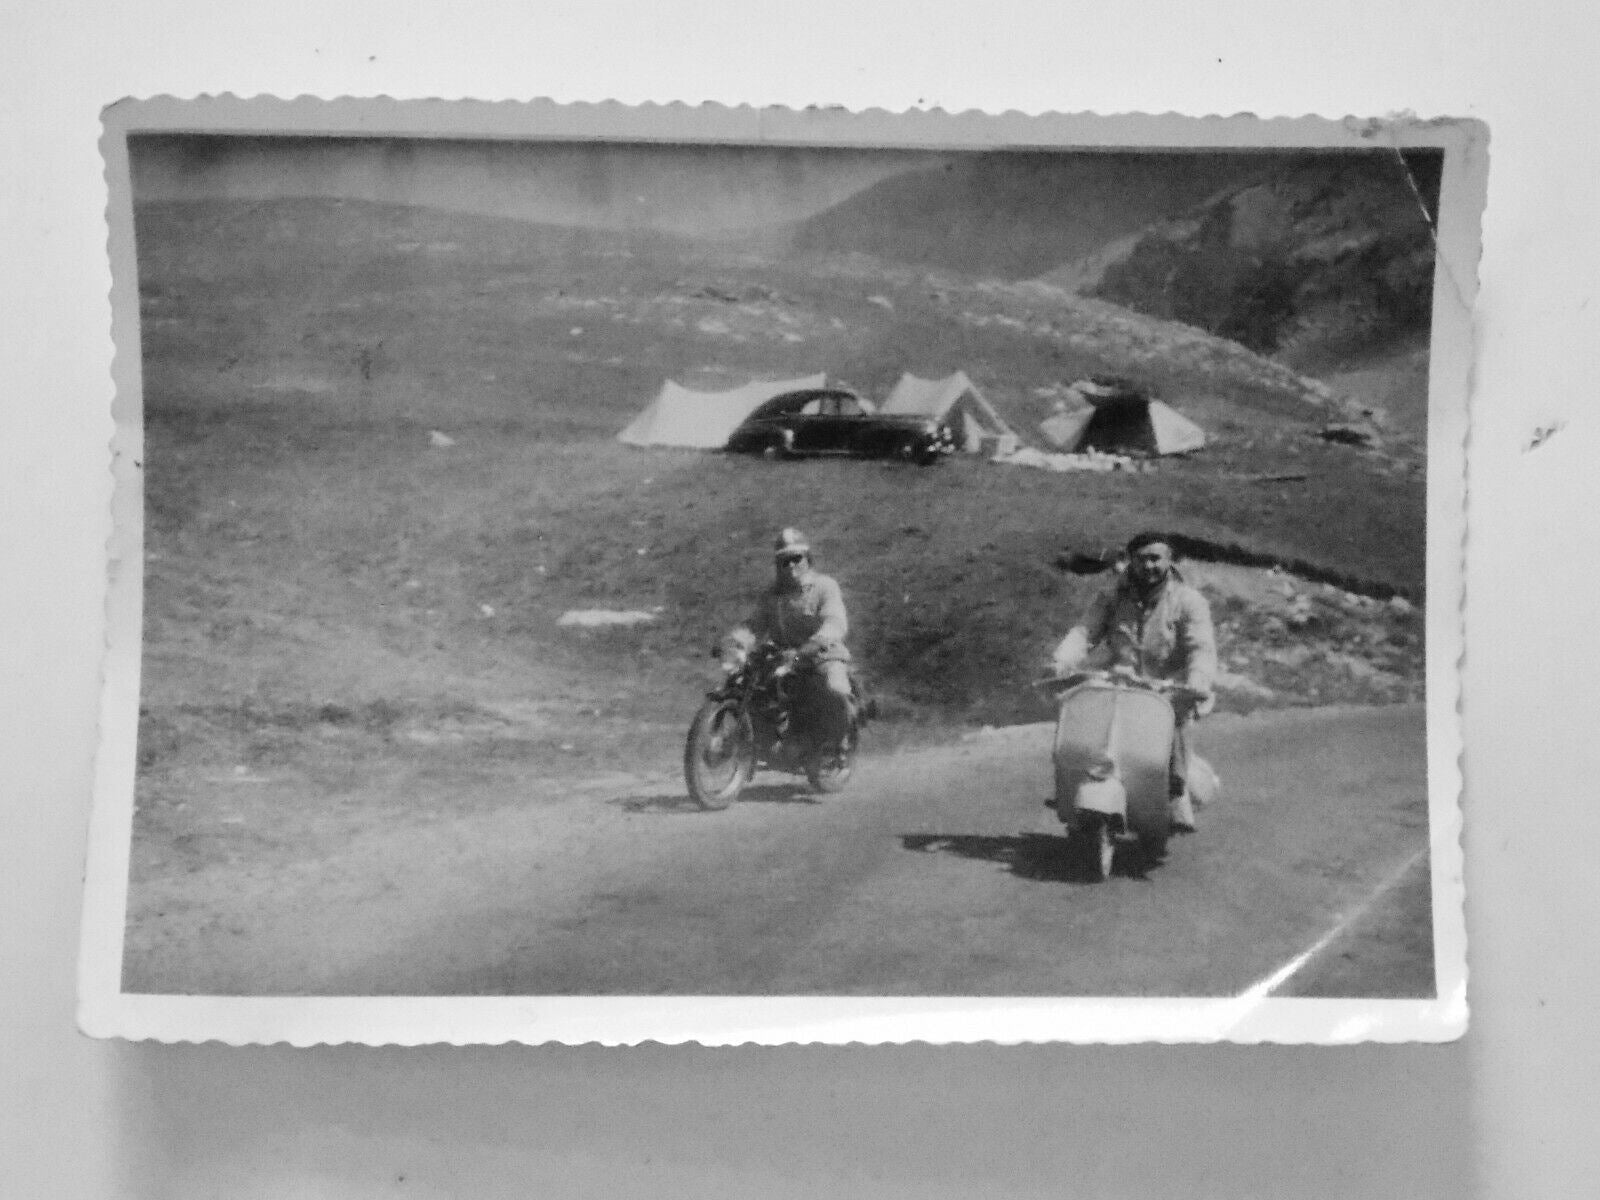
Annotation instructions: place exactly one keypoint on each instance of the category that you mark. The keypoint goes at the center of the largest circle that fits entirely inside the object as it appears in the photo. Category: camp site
(401, 428)
(1111, 420)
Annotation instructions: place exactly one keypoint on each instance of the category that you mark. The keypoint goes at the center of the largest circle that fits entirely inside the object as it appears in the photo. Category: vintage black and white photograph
(859, 568)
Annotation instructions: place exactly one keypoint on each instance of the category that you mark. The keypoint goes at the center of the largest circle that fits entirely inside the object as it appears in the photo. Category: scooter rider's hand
(1064, 665)
(1186, 701)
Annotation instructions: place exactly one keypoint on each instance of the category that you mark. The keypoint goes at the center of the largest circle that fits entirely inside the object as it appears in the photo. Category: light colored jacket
(810, 618)
(1167, 636)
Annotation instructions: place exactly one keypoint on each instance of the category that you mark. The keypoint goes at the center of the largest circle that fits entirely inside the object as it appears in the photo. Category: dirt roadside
(929, 875)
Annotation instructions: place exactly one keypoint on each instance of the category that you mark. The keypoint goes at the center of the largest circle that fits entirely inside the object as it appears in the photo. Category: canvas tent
(679, 416)
(956, 401)
(1122, 421)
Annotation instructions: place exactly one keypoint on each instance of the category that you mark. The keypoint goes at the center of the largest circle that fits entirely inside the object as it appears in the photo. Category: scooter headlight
(1101, 768)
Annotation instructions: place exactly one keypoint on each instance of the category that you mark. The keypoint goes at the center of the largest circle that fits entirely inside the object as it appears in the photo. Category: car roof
(792, 402)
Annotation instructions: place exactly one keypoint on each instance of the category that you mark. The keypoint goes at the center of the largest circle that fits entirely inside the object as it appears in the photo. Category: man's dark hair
(1148, 538)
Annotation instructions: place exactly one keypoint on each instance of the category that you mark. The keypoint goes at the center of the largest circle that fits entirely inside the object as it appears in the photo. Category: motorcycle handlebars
(777, 659)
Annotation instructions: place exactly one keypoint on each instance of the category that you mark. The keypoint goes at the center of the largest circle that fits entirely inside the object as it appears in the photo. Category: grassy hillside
(320, 570)
(383, 312)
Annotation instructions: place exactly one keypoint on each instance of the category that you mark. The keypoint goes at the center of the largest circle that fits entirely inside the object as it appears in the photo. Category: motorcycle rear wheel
(719, 755)
(830, 772)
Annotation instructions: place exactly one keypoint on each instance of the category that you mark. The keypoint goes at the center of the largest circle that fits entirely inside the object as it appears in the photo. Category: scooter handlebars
(1180, 695)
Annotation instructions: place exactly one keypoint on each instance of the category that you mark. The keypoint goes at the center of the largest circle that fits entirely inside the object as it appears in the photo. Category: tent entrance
(1125, 423)
(1120, 429)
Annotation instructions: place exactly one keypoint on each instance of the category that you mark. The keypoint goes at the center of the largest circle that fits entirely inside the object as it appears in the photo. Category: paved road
(936, 872)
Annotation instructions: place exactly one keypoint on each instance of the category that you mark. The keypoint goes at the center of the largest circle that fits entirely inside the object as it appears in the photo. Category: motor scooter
(1112, 749)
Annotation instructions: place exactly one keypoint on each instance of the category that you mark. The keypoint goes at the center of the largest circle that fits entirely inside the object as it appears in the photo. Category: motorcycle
(1112, 749)
(752, 721)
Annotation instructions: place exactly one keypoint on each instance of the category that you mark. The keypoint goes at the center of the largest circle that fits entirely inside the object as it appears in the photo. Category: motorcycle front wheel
(719, 755)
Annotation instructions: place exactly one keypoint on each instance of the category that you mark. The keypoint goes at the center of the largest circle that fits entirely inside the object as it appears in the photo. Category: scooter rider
(1155, 624)
(804, 611)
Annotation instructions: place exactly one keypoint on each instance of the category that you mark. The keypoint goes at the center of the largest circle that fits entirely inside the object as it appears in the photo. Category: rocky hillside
(1319, 262)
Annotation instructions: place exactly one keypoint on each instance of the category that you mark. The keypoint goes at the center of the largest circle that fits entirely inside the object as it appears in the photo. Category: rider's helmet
(790, 543)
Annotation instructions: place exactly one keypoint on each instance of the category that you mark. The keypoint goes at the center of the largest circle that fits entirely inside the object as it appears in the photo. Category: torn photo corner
(450, 438)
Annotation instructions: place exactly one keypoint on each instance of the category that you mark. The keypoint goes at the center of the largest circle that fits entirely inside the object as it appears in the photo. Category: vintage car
(824, 421)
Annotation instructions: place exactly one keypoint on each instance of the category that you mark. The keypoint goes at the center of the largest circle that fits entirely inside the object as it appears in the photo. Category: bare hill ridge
(705, 190)
(1018, 214)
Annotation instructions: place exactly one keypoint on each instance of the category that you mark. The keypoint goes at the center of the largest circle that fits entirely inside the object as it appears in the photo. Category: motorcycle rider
(804, 611)
(1155, 624)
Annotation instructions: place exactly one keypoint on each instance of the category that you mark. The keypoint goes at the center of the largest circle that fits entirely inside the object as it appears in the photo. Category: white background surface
(1508, 1112)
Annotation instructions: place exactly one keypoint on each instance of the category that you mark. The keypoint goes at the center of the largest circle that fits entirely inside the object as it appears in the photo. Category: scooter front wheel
(719, 755)
(1096, 846)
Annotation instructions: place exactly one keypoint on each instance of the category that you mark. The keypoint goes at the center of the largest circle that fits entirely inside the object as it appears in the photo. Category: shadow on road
(679, 802)
(1039, 856)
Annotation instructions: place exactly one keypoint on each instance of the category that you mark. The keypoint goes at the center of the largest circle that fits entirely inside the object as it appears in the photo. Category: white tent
(679, 416)
(1123, 423)
(956, 401)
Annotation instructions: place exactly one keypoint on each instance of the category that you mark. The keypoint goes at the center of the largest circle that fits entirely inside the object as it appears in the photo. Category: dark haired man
(1154, 623)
